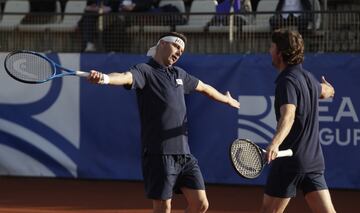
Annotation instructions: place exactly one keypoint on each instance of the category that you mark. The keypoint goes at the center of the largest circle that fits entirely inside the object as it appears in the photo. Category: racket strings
(247, 159)
(29, 67)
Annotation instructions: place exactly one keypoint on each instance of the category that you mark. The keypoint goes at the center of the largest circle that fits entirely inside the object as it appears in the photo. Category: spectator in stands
(168, 166)
(40, 12)
(89, 22)
(300, 19)
(137, 5)
(224, 7)
(173, 15)
(115, 30)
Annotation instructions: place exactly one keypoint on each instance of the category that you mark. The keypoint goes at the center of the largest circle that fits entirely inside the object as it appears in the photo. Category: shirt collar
(154, 64)
(288, 69)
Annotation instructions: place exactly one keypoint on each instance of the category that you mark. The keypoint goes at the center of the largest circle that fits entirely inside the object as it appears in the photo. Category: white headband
(173, 39)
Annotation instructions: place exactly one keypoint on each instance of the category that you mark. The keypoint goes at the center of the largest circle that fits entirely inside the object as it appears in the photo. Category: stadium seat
(34, 27)
(198, 22)
(10, 22)
(177, 3)
(261, 20)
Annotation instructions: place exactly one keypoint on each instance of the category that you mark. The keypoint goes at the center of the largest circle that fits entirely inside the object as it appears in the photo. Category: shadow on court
(40, 195)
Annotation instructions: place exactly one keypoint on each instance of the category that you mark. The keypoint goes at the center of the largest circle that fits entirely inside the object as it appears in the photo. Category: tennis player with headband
(167, 164)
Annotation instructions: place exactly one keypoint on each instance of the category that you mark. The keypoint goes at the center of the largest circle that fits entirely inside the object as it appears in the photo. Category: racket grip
(285, 153)
(82, 74)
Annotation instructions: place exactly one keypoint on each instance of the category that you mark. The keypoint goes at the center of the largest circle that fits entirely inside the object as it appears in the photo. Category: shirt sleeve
(315, 83)
(318, 84)
(190, 82)
(139, 77)
(286, 93)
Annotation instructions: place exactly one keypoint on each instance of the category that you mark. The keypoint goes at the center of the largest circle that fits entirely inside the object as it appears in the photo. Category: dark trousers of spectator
(278, 21)
(254, 4)
(88, 26)
(115, 37)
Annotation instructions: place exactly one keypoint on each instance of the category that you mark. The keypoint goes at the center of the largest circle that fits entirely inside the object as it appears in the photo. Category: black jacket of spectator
(42, 5)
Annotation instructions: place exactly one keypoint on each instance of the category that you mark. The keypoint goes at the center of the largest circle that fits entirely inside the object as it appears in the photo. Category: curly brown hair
(290, 44)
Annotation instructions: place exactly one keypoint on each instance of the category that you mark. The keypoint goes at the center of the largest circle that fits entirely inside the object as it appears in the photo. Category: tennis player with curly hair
(296, 107)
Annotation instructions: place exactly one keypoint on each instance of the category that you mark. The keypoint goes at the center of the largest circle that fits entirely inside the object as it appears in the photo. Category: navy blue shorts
(165, 174)
(284, 184)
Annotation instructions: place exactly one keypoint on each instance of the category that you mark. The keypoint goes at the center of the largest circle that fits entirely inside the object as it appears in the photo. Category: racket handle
(82, 74)
(285, 153)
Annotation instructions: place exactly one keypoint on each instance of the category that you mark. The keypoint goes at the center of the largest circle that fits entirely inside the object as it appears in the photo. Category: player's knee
(162, 206)
(204, 206)
(264, 209)
(201, 206)
(271, 209)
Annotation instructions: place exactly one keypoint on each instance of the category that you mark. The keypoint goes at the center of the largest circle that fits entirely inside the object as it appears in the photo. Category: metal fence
(330, 31)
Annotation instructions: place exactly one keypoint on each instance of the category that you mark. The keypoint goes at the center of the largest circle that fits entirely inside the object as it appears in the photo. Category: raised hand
(328, 90)
(232, 102)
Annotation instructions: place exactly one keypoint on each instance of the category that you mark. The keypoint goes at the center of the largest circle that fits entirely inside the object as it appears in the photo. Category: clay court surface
(39, 195)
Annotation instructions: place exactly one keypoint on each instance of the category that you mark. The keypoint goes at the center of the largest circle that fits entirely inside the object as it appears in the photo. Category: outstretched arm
(216, 95)
(327, 90)
(115, 78)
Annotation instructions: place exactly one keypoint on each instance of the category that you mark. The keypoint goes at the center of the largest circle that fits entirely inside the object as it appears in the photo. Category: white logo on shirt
(179, 81)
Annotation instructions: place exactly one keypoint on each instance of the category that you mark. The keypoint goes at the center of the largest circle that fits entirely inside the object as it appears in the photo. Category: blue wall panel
(71, 128)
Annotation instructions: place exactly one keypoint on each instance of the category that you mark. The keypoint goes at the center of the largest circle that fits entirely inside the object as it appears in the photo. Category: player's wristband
(105, 79)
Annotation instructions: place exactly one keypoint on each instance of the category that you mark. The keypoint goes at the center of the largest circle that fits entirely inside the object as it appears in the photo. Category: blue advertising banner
(71, 128)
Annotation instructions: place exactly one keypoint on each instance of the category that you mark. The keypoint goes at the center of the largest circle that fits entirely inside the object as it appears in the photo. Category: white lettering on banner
(326, 110)
(346, 103)
(341, 138)
(343, 115)
(356, 135)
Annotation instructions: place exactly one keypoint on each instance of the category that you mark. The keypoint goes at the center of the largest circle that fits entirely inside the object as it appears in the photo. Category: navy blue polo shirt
(294, 85)
(160, 94)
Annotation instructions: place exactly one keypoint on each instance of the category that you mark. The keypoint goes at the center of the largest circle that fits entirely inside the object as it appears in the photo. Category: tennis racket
(34, 68)
(248, 159)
